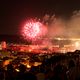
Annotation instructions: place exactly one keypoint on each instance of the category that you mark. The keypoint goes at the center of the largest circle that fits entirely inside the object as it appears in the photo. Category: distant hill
(12, 39)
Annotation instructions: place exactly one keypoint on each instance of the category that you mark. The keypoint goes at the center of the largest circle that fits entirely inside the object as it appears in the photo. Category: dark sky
(14, 12)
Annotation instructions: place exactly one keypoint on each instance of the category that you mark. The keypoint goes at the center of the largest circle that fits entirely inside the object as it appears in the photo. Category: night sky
(14, 12)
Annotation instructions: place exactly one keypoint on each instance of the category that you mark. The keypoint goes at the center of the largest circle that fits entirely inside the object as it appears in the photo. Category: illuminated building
(3, 45)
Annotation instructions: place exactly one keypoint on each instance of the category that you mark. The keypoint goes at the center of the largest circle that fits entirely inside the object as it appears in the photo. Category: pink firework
(33, 29)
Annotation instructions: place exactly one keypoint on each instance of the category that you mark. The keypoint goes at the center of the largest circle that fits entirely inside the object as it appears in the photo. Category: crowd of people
(56, 67)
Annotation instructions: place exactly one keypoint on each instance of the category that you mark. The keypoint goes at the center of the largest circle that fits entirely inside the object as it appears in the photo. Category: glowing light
(58, 38)
(37, 63)
(30, 50)
(3, 44)
(72, 39)
(28, 66)
(6, 62)
(77, 45)
(33, 30)
(17, 70)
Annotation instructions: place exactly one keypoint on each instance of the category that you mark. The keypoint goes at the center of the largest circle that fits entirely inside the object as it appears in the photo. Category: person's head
(71, 64)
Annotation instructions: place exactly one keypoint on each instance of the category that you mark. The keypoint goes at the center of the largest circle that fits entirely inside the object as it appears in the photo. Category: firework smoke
(56, 27)
(63, 28)
(74, 25)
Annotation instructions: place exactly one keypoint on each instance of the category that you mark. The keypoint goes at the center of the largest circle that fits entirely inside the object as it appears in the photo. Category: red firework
(33, 29)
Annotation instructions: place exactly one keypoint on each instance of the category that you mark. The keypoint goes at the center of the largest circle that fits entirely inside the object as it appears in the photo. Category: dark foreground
(52, 67)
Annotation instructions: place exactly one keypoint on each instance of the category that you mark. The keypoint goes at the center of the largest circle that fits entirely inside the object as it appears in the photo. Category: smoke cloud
(59, 27)
(73, 26)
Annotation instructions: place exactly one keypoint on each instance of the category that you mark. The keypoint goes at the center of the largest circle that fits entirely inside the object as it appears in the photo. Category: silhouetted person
(72, 70)
(27, 76)
(10, 72)
(59, 73)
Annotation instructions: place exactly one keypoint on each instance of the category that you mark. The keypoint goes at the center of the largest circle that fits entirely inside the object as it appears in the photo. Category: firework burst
(33, 30)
